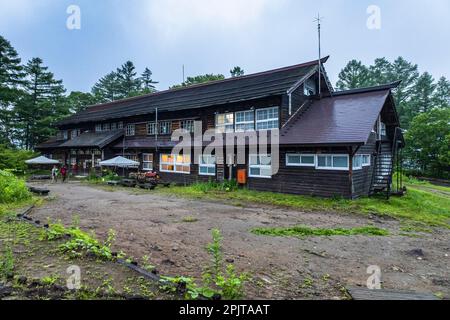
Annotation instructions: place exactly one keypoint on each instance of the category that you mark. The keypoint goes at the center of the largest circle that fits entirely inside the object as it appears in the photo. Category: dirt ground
(150, 223)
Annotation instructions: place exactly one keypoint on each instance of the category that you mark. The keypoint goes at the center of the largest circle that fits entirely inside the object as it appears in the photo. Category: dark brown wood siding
(305, 180)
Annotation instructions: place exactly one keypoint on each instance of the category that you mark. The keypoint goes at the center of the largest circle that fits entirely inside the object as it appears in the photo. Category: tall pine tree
(128, 84)
(11, 81)
(107, 88)
(147, 83)
(441, 97)
(354, 75)
(42, 104)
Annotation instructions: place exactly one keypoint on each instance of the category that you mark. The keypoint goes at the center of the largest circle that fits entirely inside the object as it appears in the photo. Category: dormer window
(130, 130)
(310, 87)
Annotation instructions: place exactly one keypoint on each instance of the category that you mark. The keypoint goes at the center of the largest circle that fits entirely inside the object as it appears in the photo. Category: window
(383, 129)
(147, 161)
(207, 165)
(114, 126)
(260, 166)
(165, 127)
(224, 122)
(130, 129)
(187, 125)
(267, 119)
(366, 160)
(332, 162)
(65, 135)
(120, 125)
(98, 127)
(245, 121)
(357, 162)
(106, 127)
(151, 128)
(74, 133)
(301, 160)
(310, 87)
(132, 157)
(175, 163)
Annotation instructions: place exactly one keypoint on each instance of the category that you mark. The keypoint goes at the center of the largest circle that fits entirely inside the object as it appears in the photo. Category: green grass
(304, 231)
(419, 204)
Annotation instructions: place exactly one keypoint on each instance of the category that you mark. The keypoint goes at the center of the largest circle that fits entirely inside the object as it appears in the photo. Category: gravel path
(149, 223)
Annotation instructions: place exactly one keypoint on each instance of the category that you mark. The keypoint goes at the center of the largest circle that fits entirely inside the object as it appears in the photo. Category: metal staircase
(387, 160)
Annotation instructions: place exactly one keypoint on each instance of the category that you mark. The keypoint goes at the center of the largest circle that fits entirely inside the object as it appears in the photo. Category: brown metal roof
(344, 118)
(93, 139)
(252, 86)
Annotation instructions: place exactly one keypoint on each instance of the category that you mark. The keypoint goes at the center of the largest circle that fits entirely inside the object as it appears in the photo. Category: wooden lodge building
(330, 144)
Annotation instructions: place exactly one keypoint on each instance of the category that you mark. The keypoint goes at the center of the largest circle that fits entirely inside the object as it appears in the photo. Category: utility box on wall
(242, 176)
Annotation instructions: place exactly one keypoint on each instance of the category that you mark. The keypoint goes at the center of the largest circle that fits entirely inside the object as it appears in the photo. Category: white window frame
(369, 163)
(359, 167)
(258, 122)
(174, 163)
(288, 164)
(187, 125)
(224, 127)
(113, 126)
(144, 162)
(259, 166)
(309, 85)
(165, 124)
(65, 135)
(154, 128)
(74, 133)
(120, 125)
(331, 167)
(245, 122)
(130, 130)
(106, 127)
(98, 127)
(201, 164)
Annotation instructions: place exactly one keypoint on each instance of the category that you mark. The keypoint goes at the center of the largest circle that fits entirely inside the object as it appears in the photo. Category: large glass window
(165, 127)
(225, 122)
(147, 161)
(175, 163)
(300, 160)
(245, 121)
(130, 130)
(332, 162)
(207, 165)
(366, 160)
(260, 166)
(267, 119)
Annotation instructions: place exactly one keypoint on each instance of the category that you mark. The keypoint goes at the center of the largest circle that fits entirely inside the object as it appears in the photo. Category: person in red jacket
(63, 172)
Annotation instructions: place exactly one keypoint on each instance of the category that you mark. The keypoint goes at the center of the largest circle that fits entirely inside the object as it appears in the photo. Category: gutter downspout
(290, 103)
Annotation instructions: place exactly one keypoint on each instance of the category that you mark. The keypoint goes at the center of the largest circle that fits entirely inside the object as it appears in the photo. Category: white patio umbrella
(120, 162)
(42, 160)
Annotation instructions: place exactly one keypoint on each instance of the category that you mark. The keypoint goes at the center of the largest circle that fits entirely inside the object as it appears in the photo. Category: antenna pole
(320, 55)
(183, 74)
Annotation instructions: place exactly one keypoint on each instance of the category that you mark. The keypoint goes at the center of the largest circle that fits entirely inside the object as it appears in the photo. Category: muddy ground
(151, 223)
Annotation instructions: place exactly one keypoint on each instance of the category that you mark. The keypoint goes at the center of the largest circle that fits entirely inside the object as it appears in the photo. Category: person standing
(55, 174)
(64, 173)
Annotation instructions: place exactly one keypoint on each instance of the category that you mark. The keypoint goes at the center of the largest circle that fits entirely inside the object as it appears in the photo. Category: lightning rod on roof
(319, 20)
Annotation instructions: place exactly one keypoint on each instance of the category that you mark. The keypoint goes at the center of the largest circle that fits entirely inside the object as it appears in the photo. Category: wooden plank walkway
(367, 294)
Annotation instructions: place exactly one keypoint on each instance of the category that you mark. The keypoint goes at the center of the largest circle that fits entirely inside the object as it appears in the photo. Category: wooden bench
(39, 191)
(128, 183)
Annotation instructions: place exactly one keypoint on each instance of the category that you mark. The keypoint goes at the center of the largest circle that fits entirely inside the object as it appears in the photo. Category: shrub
(12, 189)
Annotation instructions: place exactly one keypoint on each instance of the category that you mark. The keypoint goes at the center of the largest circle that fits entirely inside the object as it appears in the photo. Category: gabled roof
(93, 139)
(253, 86)
(346, 118)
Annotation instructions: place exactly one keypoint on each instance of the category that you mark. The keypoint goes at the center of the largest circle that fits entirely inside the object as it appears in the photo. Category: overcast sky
(212, 36)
